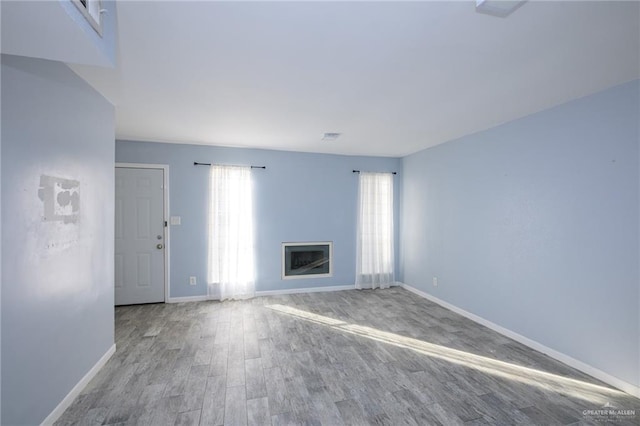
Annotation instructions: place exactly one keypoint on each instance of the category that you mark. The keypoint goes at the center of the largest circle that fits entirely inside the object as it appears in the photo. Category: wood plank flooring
(383, 357)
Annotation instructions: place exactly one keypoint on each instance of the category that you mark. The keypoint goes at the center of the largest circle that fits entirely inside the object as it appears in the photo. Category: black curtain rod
(358, 171)
(195, 163)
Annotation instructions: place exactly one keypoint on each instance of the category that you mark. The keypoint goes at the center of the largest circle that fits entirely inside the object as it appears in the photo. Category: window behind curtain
(231, 246)
(375, 251)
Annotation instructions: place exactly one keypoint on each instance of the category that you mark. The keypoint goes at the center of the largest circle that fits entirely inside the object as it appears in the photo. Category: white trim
(92, 13)
(268, 293)
(167, 229)
(566, 359)
(73, 394)
(187, 299)
(307, 243)
(305, 290)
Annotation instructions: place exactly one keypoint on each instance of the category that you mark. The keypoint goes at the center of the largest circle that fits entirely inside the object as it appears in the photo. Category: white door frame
(165, 184)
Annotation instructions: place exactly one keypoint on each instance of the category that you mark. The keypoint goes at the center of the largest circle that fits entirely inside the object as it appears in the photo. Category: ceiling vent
(330, 136)
(499, 8)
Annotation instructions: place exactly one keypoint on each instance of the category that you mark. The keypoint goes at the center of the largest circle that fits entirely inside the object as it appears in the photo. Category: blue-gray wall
(533, 225)
(299, 197)
(57, 278)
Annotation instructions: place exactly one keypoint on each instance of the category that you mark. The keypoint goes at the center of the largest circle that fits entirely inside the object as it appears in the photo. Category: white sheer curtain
(374, 253)
(231, 252)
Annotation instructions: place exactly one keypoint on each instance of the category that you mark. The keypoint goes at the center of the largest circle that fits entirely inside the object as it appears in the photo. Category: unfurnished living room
(320, 212)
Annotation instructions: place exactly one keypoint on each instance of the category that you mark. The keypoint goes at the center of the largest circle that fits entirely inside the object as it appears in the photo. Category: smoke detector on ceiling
(499, 8)
(330, 136)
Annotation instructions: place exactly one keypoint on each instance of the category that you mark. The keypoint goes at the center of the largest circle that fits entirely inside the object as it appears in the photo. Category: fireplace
(307, 260)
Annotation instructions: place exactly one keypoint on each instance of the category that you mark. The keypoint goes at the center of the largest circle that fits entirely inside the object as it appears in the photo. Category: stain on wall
(60, 198)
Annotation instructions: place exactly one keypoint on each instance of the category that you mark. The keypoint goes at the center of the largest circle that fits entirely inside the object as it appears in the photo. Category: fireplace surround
(307, 260)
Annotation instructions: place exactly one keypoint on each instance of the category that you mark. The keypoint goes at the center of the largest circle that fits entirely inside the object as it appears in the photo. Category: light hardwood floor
(351, 357)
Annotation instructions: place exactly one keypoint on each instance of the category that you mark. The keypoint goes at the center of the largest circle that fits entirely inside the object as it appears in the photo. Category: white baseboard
(305, 290)
(267, 293)
(73, 394)
(566, 359)
(187, 299)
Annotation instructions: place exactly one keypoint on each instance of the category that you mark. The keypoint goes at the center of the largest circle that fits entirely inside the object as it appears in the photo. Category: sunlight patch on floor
(530, 376)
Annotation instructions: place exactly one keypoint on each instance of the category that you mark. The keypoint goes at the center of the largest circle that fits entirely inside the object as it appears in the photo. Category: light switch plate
(175, 220)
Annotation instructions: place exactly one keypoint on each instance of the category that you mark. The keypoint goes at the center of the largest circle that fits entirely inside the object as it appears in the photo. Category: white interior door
(140, 236)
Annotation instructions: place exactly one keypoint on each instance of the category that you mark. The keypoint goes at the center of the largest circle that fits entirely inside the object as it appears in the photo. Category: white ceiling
(393, 77)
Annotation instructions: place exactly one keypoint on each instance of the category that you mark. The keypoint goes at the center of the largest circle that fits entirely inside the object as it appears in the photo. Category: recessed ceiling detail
(330, 136)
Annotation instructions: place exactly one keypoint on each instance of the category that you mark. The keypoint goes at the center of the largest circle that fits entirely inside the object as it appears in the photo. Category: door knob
(159, 246)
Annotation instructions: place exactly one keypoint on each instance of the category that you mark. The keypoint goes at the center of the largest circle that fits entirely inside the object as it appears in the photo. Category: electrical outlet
(435, 281)
(192, 281)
